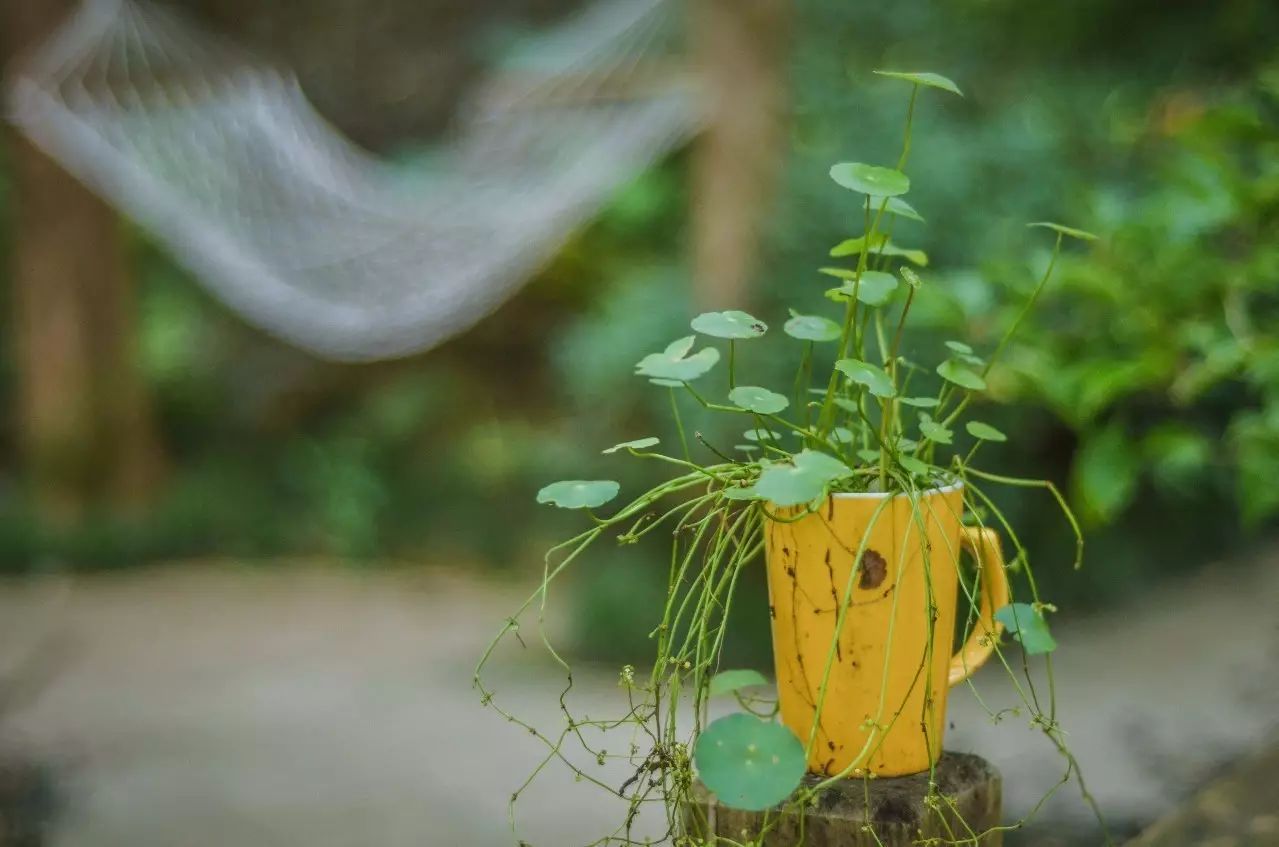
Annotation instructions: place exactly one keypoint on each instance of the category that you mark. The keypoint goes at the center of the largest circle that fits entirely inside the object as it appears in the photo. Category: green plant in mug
(859, 416)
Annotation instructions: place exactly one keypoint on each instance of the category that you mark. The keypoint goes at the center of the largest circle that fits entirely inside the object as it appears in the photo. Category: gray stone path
(220, 705)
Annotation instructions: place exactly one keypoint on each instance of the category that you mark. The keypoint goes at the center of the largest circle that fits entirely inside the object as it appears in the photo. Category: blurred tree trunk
(84, 418)
(741, 49)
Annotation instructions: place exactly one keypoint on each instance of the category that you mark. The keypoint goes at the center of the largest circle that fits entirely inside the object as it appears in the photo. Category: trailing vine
(855, 430)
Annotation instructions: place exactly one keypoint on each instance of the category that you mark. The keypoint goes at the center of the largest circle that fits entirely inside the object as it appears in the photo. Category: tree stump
(894, 810)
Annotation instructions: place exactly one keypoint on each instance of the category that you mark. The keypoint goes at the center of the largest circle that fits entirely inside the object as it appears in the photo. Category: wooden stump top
(894, 808)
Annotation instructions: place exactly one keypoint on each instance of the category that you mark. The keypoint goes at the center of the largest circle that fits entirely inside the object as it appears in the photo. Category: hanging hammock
(222, 158)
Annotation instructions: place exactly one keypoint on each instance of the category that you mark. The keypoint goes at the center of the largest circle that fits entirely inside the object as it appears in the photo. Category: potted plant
(858, 488)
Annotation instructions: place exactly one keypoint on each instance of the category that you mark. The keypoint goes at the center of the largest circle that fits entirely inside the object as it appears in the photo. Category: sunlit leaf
(804, 479)
(578, 494)
(726, 682)
(637, 444)
(731, 324)
(920, 402)
(931, 80)
(1065, 230)
(959, 373)
(812, 328)
(877, 382)
(756, 399)
(879, 245)
(1028, 626)
(674, 366)
(870, 180)
(749, 763)
(984, 431)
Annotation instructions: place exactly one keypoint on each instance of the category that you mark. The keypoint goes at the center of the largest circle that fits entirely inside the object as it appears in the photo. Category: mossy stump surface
(895, 809)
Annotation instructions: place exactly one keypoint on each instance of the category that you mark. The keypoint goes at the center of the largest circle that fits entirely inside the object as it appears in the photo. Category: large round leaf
(749, 763)
(933, 430)
(731, 324)
(674, 365)
(931, 80)
(812, 328)
(877, 382)
(756, 399)
(803, 480)
(870, 180)
(578, 493)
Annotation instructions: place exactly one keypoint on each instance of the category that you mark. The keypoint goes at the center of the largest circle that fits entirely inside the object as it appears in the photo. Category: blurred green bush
(1148, 384)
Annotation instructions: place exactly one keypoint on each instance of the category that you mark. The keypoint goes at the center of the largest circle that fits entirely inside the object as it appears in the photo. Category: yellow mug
(883, 704)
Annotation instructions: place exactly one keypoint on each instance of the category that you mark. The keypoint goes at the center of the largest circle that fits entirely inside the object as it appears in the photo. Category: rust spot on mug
(874, 569)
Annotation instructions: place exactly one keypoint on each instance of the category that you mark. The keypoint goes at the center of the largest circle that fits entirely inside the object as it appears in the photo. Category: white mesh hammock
(222, 158)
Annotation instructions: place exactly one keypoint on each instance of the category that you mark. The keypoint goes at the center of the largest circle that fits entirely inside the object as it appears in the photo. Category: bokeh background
(218, 542)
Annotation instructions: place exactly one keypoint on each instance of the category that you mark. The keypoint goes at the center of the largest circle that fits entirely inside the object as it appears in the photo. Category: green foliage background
(1147, 384)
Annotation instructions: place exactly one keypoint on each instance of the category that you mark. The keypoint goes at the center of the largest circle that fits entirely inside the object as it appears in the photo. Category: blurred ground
(215, 704)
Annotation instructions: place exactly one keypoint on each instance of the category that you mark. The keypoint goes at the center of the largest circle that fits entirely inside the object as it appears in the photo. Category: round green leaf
(674, 366)
(759, 400)
(1069, 231)
(731, 324)
(726, 682)
(914, 466)
(843, 435)
(578, 494)
(875, 288)
(761, 435)
(920, 402)
(984, 431)
(749, 763)
(960, 347)
(812, 328)
(637, 444)
(931, 80)
(877, 382)
(960, 374)
(870, 180)
(933, 431)
(1028, 626)
(803, 480)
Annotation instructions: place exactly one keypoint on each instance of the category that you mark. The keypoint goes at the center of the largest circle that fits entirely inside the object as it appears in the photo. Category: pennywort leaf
(931, 80)
(749, 763)
(759, 400)
(1028, 626)
(674, 365)
(637, 444)
(870, 180)
(953, 370)
(726, 682)
(578, 494)
(984, 431)
(802, 480)
(877, 382)
(732, 324)
(812, 328)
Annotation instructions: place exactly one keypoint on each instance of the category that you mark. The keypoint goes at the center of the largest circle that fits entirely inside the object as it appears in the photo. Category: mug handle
(983, 544)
